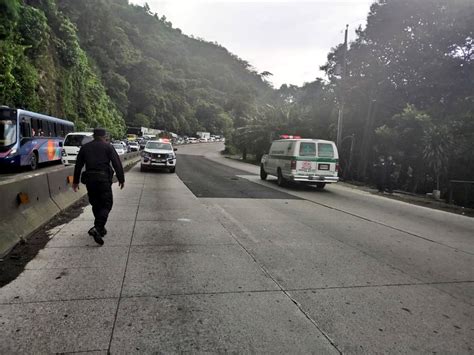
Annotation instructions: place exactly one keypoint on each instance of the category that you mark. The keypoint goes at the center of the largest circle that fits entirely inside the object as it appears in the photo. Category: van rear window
(307, 149)
(325, 150)
(77, 140)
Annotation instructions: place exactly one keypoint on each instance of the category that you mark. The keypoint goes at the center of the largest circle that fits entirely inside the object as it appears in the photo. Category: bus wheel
(263, 173)
(34, 161)
(280, 179)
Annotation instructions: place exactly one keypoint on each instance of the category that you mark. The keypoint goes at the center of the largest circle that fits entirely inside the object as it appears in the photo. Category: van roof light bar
(286, 136)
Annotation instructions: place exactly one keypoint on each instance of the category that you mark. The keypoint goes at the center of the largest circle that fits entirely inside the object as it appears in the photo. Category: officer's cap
(99, 132)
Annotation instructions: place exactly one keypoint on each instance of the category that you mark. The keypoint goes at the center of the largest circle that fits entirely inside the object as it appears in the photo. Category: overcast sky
(290, 39)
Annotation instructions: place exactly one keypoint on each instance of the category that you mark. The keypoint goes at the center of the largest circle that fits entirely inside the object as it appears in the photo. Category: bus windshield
(7, 132)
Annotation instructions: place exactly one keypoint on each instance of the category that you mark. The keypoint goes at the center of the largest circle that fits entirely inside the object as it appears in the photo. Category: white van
(310, 161)
(72, 143)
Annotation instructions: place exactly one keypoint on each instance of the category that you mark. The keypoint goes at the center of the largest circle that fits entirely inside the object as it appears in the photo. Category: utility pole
(340, 115)
(367, 138)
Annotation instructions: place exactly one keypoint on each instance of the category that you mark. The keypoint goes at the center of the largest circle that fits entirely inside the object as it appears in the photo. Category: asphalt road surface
(212, 259)
(373, 274)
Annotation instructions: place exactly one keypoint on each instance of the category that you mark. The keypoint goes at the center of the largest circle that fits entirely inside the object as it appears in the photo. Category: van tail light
(293, 165)
(337, 167)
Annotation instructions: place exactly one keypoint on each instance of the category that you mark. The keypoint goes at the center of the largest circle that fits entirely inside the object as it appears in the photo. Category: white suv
(72, 143)
(159, 154)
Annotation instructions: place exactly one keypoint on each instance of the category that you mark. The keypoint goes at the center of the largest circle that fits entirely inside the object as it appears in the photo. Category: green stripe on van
(321, 160)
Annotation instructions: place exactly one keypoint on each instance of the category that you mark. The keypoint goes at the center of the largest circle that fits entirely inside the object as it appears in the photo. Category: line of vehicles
(75, 140)
(28, 139)
(156, 153)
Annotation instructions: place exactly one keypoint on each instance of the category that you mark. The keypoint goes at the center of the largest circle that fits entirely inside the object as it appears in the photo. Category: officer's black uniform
(97, 157)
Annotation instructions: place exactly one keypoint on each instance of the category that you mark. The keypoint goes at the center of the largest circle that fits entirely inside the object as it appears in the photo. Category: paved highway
(214, 260)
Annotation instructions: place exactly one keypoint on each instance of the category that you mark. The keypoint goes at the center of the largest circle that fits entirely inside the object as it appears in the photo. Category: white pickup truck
(310, 161)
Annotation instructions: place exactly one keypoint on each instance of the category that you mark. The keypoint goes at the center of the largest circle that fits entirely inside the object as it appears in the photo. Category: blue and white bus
(29, 138)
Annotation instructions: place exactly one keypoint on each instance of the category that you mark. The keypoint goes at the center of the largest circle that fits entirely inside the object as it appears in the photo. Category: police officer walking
(97, 157)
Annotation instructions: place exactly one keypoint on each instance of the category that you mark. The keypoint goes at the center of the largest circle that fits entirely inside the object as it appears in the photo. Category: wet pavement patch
(208, 179)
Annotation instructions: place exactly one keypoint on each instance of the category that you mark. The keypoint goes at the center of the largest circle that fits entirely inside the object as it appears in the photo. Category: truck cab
(308, 161)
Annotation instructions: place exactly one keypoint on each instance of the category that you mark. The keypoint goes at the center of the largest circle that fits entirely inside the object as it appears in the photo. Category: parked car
(126, 146)
(142, 143)
(119, 148)
(159, 154)
(72, 143)
(134, 146)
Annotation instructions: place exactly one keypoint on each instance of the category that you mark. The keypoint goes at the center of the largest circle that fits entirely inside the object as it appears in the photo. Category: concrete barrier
(130, 158)
(60, 188)
(25, 205)
(31, 201)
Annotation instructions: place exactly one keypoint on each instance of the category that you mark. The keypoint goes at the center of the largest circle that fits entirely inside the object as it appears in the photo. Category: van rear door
(327, 159)
(306, 164)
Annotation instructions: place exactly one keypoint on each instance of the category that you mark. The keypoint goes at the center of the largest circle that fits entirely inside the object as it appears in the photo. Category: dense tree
(164, 75)
(43, 67)
(417, 53)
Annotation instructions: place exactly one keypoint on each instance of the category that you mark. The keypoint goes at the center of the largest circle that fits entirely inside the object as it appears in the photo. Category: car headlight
(12, 152)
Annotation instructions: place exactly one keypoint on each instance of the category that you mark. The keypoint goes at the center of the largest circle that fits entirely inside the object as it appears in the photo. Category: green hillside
(43, 68)
(106, 62)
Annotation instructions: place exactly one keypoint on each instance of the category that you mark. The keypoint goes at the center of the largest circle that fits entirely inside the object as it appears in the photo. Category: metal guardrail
(452, 183)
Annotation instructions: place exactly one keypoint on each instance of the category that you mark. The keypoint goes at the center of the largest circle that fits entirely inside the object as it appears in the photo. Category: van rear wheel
(263, 173)
(320, 185)
(281, 181)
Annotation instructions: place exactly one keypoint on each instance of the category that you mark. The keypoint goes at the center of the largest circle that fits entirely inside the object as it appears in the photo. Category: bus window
(57, 130)
(34, 127)
(50, 131)
(25, 127)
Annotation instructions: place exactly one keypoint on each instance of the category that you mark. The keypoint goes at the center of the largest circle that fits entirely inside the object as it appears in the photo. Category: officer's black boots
(96, 235)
